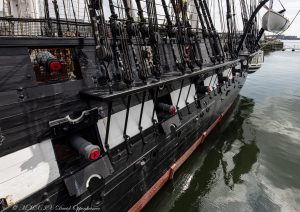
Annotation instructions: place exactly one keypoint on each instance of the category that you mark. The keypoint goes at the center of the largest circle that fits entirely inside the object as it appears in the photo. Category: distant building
(287, 37)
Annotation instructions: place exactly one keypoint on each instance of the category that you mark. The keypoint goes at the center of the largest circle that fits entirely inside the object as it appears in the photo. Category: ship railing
(105, 95)
(32, 27)
(29, 27)
(128, 106)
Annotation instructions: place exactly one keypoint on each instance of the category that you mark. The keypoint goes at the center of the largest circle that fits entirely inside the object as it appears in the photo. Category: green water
(251, 162)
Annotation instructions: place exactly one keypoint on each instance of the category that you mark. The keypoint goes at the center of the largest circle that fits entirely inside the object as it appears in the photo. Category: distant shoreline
(291, 39)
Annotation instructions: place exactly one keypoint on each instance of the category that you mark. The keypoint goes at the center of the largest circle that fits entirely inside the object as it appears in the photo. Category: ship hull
(98, 113)
(136, 183)
(131, 169)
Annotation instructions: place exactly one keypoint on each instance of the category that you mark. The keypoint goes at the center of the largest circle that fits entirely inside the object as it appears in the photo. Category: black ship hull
(128, 175)
(98, 109)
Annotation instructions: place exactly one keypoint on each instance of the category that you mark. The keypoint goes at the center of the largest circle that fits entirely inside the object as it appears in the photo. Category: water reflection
(226, 155)
(248, 151)
(243, 162)
(251, 162)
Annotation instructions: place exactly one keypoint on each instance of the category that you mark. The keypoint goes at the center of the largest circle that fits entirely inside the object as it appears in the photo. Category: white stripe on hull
(227, 73)
(117, 123)
(211, 81)
(184, 93)
(27, 171)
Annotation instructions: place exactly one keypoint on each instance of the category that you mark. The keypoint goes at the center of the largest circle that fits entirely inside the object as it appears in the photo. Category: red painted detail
(208, 131)
(209, 89)
(150, 193)
(188, 153)
(173, 110)
(139, 205)
(94, 154)
(55, 66)
(172, 171)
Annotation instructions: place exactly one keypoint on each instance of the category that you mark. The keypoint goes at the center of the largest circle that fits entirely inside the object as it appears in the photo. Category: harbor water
(251, 161)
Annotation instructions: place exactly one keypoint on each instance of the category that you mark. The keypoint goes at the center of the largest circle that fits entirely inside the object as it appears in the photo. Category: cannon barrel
(88, 150)
(170, 109)
(49, 61)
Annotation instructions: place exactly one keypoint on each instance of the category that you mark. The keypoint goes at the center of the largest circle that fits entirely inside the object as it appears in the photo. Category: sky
(292, 7)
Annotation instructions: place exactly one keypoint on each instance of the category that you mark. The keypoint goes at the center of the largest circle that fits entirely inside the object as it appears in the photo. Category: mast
(229, 27)
(58, 24)
(249, 24)
(66, 16)
(6, 8)
(75, 19)
(47, 18)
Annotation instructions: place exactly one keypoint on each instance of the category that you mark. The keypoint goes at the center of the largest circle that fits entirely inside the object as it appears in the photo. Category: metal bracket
(64, 126)
(141, 116)
(171, 124)
(186, 99)
(126, 137)
(69, 120)
(78, 182)
(179, 95)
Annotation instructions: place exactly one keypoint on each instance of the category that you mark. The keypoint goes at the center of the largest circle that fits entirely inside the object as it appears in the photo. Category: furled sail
(20, 8)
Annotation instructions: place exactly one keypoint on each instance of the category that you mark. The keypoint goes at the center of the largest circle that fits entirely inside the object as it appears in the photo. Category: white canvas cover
(274, 22)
